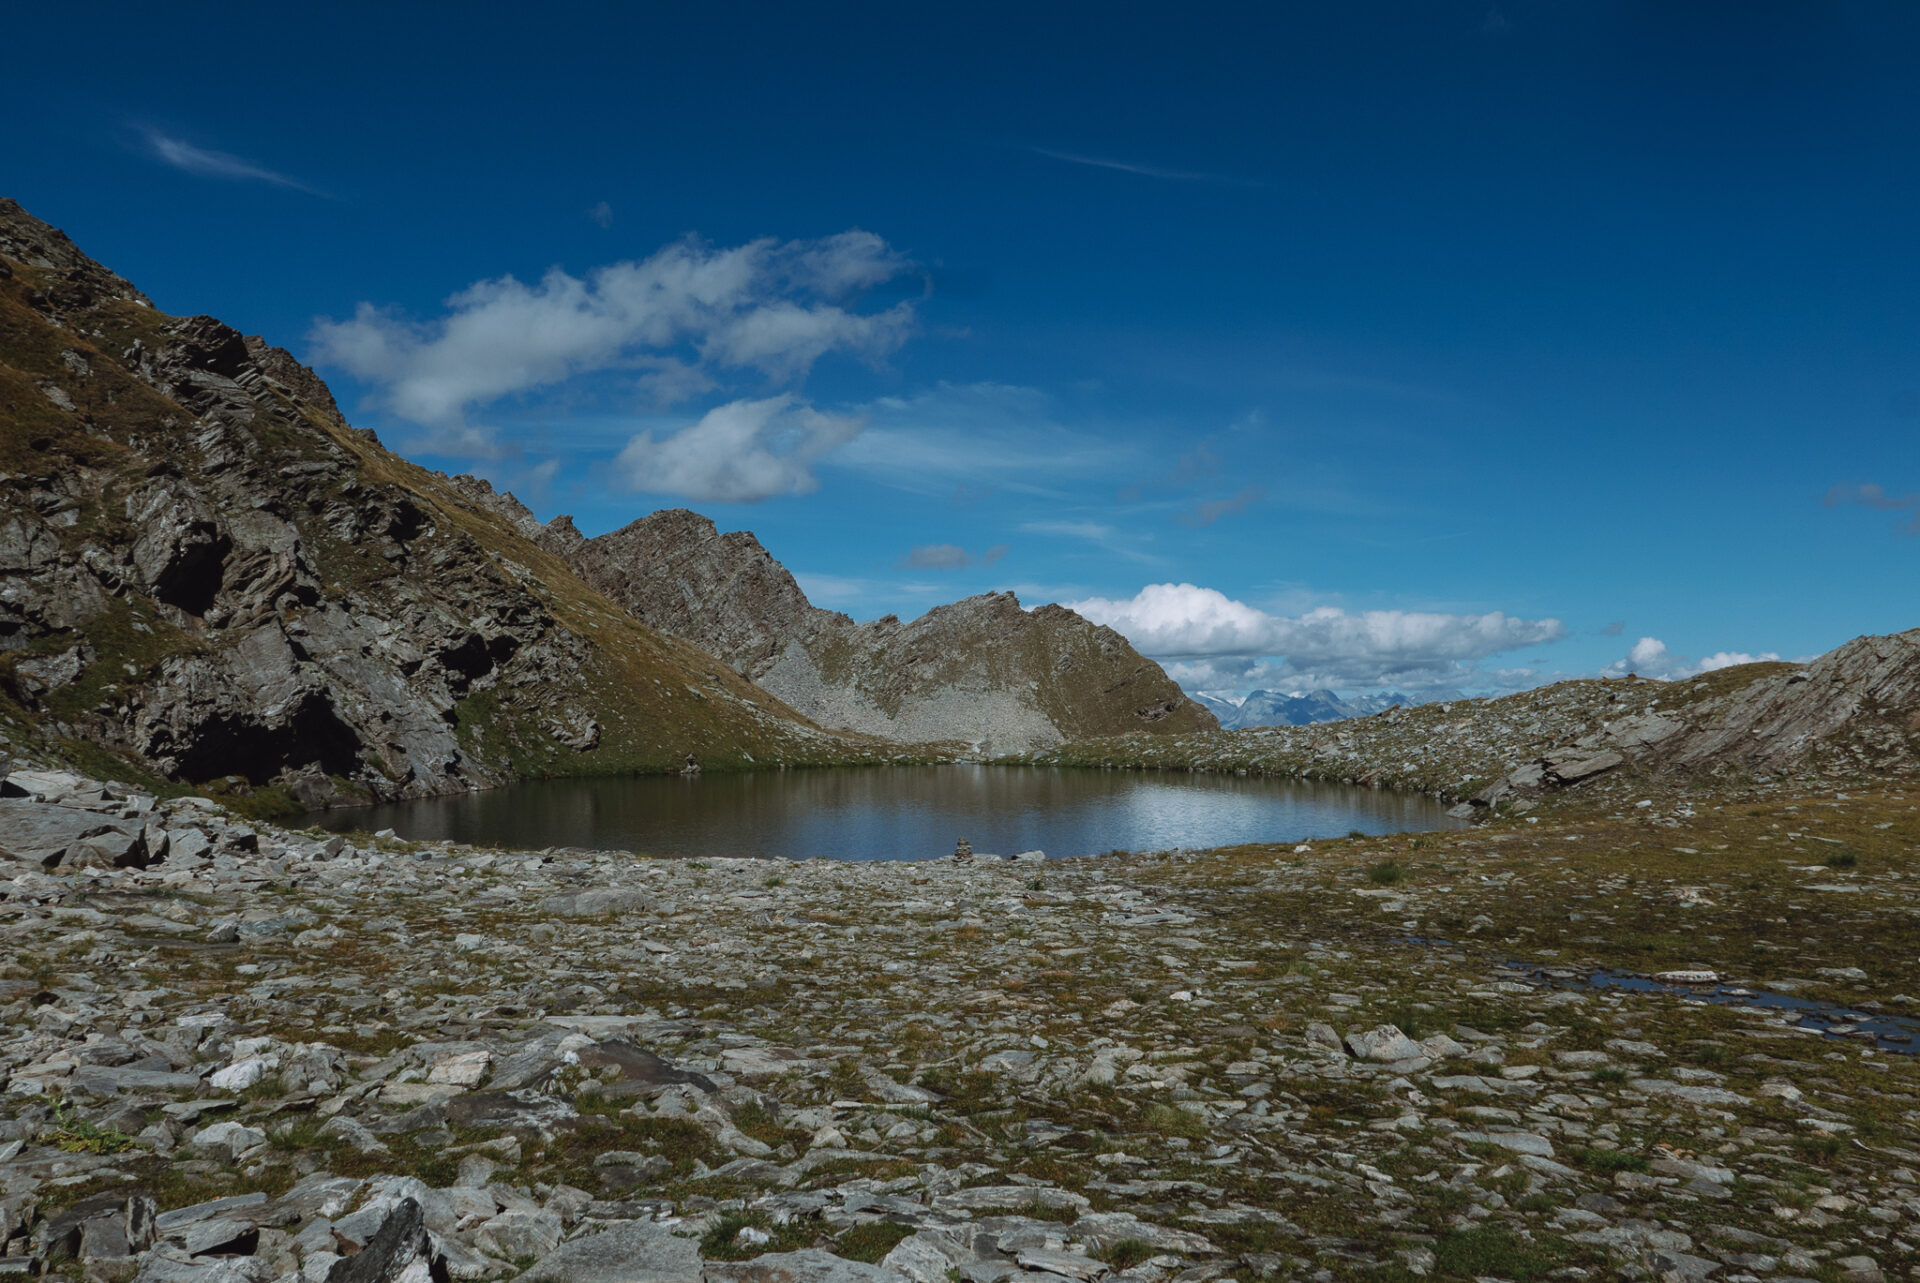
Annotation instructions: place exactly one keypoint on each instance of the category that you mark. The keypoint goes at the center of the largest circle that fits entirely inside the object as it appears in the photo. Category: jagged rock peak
(983, 670)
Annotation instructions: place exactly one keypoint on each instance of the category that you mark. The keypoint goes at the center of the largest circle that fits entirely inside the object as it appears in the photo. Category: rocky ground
(232, 1052)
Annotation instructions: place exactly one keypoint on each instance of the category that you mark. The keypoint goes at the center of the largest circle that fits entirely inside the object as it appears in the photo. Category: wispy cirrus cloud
(1211, 510)
(1876, 498)
(1147, 171)
(204, 162)
(947, 556)
(961, 440)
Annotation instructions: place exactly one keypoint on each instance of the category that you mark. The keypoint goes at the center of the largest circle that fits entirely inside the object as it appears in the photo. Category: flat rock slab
(599, 901)
(1688, 1093)
(1065, 1264)
(509, 1110)
(168, 1222)
(808, 1266)
(766, 1062)
(636, 1252)
(636, 1067)
(1010, 1198)
(1518, 1142)
(44, 833)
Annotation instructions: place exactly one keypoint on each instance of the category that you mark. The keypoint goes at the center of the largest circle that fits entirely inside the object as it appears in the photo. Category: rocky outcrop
(1854, 707)
(1852, 714)
(982, 670)
(206, 572)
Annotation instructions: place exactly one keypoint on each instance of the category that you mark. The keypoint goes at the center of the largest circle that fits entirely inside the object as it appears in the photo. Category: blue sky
(1423, 345)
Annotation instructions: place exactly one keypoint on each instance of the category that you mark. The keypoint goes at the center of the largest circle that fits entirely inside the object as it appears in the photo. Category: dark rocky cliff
(205, 573)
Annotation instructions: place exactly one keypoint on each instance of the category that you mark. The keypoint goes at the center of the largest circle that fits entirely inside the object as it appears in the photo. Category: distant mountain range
(1279, 708)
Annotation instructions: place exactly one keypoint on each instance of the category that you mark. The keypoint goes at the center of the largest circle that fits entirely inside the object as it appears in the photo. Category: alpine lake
(899, 813)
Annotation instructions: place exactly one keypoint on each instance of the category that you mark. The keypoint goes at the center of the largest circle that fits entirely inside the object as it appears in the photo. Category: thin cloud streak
(1097, 533)
(1148, 171)
(965, 441)
(205, 163)
(1877, 499)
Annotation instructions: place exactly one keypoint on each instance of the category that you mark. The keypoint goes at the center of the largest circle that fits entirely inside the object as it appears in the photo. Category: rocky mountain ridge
(1853, 713)
(207, 576)
(983, 670)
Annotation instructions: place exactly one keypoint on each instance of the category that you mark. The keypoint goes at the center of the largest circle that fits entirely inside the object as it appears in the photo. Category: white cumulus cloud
(1649, 657)
(1212, 637)
(741, 452)
(770, 306)
(1648, 653)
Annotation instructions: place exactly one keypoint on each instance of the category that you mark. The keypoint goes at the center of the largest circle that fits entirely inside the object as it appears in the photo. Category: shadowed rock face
(204, 570)
(981, 670)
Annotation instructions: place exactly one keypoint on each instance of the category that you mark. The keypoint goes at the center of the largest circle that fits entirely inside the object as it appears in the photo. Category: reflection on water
(899, 812)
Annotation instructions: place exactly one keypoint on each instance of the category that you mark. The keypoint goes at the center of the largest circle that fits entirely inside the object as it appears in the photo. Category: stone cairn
(963, 852)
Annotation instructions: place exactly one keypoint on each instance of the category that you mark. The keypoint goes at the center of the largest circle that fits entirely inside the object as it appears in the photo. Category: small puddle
(1888, 1033)
(1896, 1034)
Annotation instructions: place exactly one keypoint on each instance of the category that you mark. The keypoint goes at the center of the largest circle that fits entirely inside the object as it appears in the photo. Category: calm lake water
(898, 812)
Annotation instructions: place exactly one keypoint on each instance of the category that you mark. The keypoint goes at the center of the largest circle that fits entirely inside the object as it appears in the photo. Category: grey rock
(226, 1141)
(599, 901)
(1384, 1043)
(396, 1251)
(1680, 1267)
(808, 1266)
(515, 1234)
(159, 1267)
(1010, 1198)
(929, 1256)
(635, 1252)
(167, 1223)
(1517, 1141)
(47, 834)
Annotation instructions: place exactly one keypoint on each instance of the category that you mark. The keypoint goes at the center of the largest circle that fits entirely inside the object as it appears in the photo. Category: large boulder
(636, 1252)
(49, 835)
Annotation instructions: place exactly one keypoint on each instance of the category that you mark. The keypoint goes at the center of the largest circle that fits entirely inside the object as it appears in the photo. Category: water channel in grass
(899, 812)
